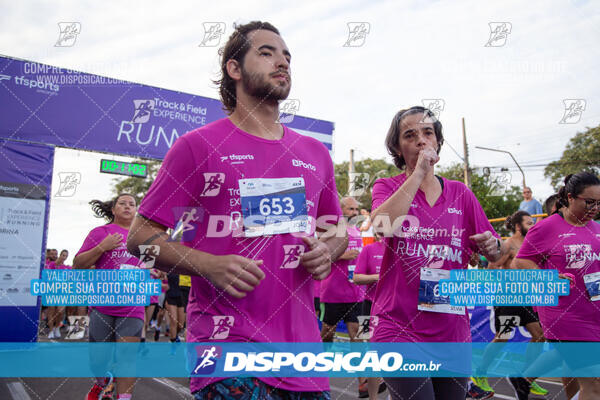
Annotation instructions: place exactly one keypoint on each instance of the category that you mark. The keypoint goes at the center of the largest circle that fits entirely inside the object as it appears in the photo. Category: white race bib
(429, 293)
(273, 206)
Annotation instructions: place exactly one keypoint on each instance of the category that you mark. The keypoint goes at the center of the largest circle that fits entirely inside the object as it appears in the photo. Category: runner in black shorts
(505, 323)
(506, 319)
(174, 307)
(336, 312)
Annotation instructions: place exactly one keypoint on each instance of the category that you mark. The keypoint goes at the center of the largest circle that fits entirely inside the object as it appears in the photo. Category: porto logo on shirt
(222, 326)
(212, 183)
(206, 362)
(300, 163)
(452, 210)
(292, 254)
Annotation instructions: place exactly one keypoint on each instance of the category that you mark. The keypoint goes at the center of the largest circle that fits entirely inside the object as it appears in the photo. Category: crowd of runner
(265, 281)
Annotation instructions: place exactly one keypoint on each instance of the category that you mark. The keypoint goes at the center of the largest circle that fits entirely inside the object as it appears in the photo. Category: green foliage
(137, 186)
(494, 192)
(369, 171)
(581, 154)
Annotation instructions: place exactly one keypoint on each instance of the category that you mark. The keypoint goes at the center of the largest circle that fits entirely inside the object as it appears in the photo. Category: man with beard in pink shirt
(252, 278)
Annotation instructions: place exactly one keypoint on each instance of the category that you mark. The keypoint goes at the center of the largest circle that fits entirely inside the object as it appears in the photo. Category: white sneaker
(51, 334)
(57, 332)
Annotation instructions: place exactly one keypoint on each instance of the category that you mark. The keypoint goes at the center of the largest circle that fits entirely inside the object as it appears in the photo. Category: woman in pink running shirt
(569, 241)
(443, 223)
(104, 248)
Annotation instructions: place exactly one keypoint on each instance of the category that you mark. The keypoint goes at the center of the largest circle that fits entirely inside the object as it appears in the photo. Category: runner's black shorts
(336, 312)
(525, 313)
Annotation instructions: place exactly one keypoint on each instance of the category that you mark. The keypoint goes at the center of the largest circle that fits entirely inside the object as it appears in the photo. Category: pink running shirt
(336, 288)
(434, 237)
(113, 259)
(553, 243)
(369, 263)
(201, 171)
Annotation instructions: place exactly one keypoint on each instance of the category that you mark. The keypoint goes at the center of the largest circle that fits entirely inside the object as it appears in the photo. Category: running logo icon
(189, 219)
(292, 254)
(358, 183)
(68, 34)
(366, 326)
(288, 110)
(207, 359)
(148, 254)
(500, 183)
(508, 323)
(212, 34)
(222, 325)
(143, 110)
(573, 110)
(68, 183)
(212, 183)
(357, 33)
(436, 106)
(499, 32)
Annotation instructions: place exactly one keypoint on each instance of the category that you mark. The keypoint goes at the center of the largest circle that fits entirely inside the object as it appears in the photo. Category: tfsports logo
(4, 77)
(300, 163)
(237, 157)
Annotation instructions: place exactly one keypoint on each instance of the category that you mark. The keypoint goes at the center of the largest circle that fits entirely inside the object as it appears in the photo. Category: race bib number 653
(273, 206)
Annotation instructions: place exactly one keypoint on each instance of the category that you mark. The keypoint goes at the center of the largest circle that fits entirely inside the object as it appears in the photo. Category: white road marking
(185, 391)
(18, 392)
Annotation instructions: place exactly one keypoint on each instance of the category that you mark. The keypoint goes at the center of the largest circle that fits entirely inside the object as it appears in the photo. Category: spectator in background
(550, 204)
(529, 204)
(366, 228)
(51, 256)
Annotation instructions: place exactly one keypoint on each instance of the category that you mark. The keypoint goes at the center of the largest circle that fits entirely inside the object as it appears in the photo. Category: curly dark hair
(236, 48)
(103, 209)
(515, 219)
(391, 140)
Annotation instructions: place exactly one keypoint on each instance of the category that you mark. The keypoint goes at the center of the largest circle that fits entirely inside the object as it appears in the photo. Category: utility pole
(467, 171)
(351, 174)
(511, 156)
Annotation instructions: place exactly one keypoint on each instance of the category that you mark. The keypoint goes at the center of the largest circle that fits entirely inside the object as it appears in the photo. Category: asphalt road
(177, 388)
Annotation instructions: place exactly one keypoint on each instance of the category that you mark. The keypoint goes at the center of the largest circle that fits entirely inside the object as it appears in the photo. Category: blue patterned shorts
(253, 389)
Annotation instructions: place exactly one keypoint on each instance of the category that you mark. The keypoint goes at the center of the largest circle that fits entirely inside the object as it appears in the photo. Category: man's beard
(523, 231)
(257, 87)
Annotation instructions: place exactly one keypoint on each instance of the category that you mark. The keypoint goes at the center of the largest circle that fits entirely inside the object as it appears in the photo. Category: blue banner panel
(52, 105)
(226, 359)
(25, 179)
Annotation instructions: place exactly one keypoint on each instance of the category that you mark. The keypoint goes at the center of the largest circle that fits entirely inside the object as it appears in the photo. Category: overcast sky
(510, 93)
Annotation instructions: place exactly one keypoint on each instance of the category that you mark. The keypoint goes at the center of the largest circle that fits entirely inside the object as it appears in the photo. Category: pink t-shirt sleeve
(477, 221)
(174, 186)
(380, 193)
(534, 245)
(362, 263)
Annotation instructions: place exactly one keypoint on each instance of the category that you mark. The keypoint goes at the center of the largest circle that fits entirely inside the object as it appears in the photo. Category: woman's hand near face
(426, 160)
